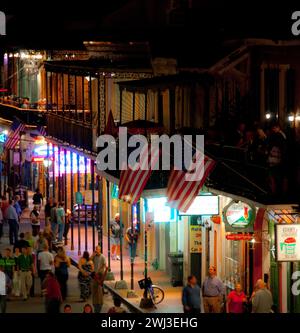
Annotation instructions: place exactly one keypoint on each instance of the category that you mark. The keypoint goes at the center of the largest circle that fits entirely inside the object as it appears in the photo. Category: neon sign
(3, 137)
(66, 167)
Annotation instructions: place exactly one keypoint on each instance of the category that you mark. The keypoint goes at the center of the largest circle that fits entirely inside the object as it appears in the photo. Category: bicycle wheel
(158, 295)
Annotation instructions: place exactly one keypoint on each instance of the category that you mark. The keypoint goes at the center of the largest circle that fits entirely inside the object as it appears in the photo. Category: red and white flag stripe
(14, 137)
(181, 192)
(133, 180)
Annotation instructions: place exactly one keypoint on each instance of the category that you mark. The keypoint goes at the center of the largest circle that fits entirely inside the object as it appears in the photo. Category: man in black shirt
(37, 198)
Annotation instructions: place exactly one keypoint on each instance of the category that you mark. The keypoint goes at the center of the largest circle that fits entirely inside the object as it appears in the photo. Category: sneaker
(118, 258)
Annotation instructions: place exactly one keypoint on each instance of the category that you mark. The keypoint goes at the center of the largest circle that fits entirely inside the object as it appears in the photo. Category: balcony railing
(27, 116)
(70, 131)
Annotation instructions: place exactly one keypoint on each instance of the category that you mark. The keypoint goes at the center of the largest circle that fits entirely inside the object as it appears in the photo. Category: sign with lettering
(239, 237)
(195, 239)
(288, 242)
(239, 217)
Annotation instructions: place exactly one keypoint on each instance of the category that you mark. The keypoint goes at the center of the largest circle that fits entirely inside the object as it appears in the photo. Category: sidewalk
(172, 301)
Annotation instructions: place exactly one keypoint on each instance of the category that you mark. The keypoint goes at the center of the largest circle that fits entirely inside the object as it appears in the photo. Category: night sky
(65, 24)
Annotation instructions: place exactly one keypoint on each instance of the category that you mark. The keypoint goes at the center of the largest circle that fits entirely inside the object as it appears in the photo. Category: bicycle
(152, 291)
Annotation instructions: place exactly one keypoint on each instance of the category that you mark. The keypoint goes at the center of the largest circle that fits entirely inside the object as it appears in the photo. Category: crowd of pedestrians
(41, 254)
(211, 298)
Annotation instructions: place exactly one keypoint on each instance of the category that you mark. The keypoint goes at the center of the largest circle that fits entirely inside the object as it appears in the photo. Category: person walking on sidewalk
(115, 237)
(132, 239)
(12, 218)
(38, 198)
(48, 207)
(86, 267)
(98, 277)
(35, 220)
(53, 219)
(52, 292)
(5, 286)
(48, 235)
(60, 218)
(213, 291)
(26, 268)
(17, 206)
(236, 300)
(62, 263)
(45, 263)
(191, 296)
(262, 300)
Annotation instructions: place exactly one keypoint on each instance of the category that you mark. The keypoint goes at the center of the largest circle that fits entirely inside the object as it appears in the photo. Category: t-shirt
(45, 258)
(34, 216)
(60, 214)
(8, 264)
(25, 262)
(37, 198)
(236, 302)
(115, 229)
(99, 263)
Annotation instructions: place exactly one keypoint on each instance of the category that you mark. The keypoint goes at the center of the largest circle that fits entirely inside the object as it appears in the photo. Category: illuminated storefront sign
(239, 217)
(67, 168)
(288, 242)
(41, 152)
(161, 211)
(3, 137)
(239, 237)
(203, 205)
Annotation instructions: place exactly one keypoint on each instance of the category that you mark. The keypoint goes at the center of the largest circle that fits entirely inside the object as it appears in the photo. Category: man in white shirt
(4, 283)
(45, 262)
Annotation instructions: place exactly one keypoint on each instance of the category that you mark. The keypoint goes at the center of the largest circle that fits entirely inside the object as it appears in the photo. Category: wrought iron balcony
(27, 116)
(70, 131)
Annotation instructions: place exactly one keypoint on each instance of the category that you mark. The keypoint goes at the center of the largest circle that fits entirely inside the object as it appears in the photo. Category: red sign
(238, 237)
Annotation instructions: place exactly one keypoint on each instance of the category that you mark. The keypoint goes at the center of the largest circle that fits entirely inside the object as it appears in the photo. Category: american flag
(182, 192)
(42, 130)
(14, 134)
(134, 179)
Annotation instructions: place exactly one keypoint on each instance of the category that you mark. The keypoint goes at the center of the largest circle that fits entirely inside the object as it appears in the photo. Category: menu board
(195, 239)
(288, 242)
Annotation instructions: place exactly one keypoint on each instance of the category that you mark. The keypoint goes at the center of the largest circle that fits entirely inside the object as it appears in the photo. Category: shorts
(114, 241)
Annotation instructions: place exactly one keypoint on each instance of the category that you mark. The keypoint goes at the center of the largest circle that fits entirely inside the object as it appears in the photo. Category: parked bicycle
(152, 291)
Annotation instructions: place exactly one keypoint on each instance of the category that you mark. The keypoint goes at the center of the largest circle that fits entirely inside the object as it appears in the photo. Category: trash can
(175, 260)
